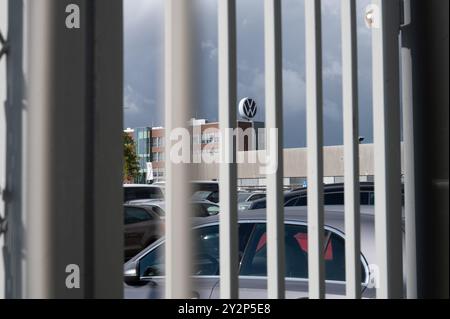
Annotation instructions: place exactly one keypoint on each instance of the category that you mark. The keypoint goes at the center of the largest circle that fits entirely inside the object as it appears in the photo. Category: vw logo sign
(247, 108)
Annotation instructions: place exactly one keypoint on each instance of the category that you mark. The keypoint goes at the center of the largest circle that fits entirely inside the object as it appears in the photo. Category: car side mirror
(131, 274)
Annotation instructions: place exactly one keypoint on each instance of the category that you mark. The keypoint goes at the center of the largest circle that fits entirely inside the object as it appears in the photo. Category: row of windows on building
(159, 156)
(206, 138)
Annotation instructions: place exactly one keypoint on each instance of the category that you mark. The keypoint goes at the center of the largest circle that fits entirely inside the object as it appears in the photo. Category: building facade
(205, 140)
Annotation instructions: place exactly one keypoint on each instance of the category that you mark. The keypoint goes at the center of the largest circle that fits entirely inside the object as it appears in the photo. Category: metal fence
(58, 132)
(386, 83)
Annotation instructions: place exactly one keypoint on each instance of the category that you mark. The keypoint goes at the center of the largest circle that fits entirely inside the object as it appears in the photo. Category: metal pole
(74, 133)
(229, 259)
(274, 123)
(3, 30)
(386, 117)
(178, 101)
(40, 101)
(314, 120)
(15, 179)
(409, 154)
(351, 148)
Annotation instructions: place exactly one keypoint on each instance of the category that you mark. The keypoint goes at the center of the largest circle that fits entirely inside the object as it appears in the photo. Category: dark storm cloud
(144, 49)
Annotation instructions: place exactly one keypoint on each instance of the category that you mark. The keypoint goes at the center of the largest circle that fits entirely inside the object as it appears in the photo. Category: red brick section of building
(203, 134)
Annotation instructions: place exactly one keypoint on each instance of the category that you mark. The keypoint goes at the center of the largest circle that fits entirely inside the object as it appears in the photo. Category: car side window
(372, 198)
(214, 197)
(291, 202)
(296, 201)
(256, 196)
(159, 211)
(259, 204)
(199, 210)
(336, 198)
(206, 257)
(364, 198)
(134, 215)
(296, 246)
(302, 201)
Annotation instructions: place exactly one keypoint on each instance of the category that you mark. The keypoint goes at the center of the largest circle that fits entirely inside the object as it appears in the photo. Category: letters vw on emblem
(247, 108)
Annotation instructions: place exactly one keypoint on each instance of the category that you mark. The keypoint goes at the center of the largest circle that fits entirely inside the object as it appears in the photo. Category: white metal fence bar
(351, 148)
(274, 121)
(386, 119)
(178, 38)
(39, 145)
(314, 128)
(229, 266)
(409, 150)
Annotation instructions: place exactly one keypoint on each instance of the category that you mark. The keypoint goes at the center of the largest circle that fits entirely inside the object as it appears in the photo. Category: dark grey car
(142, 226)
(144, 274)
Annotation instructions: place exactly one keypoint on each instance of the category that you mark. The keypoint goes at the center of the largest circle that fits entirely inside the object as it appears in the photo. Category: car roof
(162, 204)
(333, 214)
(336, 186)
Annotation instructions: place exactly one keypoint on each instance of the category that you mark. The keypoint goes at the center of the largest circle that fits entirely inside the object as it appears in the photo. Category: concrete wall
(295, 163)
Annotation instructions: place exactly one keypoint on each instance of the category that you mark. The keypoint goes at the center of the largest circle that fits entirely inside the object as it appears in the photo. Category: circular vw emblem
(247, 108)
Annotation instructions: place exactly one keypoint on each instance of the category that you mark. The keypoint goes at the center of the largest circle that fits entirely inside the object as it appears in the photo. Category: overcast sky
(144, 105)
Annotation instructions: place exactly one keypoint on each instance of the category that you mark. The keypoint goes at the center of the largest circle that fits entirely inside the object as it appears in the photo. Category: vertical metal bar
(386, 117)
(39, 235)
(314, 120)
(409, 155)
(3, 30)
(107, 151)
(74, 151)
(229, 266)
(351, 148)
(178, 72)
(14, 193)
(274, 124)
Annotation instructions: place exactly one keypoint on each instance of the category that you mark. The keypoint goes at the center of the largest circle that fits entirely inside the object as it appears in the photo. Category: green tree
(130, 162)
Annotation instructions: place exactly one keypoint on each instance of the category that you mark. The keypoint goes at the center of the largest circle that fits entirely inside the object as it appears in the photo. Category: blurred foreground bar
(74, 192)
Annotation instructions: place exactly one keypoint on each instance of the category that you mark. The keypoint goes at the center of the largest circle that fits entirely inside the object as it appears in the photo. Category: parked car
(143, 226)
(206, 195)
(200, 208)
(245, 198)
(201, 190)
(144, 274)
(142, 191)
(333, 195)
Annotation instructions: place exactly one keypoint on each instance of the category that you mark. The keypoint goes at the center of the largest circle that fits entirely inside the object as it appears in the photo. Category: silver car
(200, 208)
(245, 198)
(144, 274)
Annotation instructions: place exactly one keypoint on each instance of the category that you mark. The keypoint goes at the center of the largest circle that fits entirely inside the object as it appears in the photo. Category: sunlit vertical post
(274, 125)
(386, 119)
(314, 129)
(351, 148)
(409, 118)
(178, 103)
